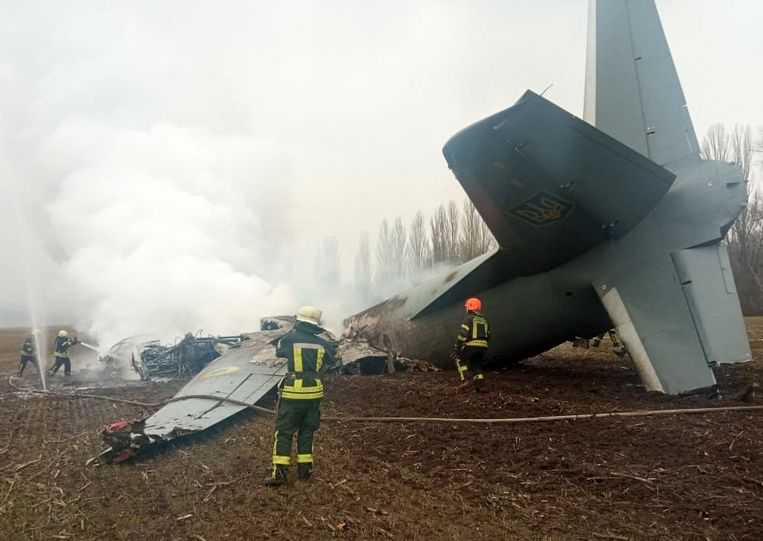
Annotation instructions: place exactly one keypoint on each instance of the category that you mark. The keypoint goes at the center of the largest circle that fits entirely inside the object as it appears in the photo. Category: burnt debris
(152, 359)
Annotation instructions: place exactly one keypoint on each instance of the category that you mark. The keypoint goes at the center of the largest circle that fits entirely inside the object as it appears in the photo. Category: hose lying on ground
(140, 404)
(510, 420)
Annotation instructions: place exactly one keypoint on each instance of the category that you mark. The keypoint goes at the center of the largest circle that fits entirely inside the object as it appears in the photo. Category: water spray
(88, 346)
(39, 346)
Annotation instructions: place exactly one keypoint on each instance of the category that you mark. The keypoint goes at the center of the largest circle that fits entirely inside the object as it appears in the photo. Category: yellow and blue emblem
(218, 372)
(542, 209)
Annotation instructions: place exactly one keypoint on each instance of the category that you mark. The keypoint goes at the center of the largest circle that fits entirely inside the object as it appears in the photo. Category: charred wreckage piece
(152, 359)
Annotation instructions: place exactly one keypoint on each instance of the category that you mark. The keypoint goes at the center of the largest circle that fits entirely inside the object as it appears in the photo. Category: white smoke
(147, 197)
(168, 229)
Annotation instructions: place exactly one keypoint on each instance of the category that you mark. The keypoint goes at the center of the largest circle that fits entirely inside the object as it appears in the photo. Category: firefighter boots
(277, 478)
(305, 471)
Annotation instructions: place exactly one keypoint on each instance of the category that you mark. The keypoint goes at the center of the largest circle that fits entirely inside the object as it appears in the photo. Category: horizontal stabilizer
(550, 186)
(650, 310)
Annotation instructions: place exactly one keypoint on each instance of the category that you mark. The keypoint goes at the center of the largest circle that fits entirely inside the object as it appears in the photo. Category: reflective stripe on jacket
(307, 354)
(62, 346)
(474, 330)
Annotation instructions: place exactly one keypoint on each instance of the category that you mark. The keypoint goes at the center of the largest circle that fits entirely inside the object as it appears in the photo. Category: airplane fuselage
(531, 314)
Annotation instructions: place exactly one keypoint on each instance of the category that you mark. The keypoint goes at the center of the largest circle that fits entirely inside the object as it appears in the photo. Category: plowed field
(666, 477)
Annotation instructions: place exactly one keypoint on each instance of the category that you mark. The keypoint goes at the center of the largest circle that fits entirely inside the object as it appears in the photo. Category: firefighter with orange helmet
(472, 342)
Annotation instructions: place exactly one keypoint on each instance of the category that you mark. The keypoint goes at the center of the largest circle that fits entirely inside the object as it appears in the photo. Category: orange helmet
(473, 304)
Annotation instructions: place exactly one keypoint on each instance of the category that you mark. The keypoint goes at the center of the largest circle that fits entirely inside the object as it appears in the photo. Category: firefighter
(301, 391)
(29, 353)
(61, 353)
(470, 348)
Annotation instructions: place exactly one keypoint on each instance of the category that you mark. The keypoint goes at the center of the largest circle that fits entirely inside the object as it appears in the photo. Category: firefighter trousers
(302, 417)
(62, 361)
(470, 361)
(25, 359)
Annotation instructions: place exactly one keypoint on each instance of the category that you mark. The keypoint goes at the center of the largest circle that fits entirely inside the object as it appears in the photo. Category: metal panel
(705, 274)
(550, 186)
(650, 311)
(632, 88)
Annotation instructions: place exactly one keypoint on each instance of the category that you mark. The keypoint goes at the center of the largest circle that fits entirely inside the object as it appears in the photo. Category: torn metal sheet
(360, 357)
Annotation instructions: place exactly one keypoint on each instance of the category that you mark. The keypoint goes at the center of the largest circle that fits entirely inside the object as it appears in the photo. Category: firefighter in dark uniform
(61, 353)
(29, 353)
(299, 407)
(471, 346)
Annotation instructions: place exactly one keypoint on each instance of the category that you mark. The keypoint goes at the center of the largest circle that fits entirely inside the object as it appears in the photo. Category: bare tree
(363, 269)
(742, 150)
(398, 242)
(488, 240)
(438, 225)
(327, 264)
(716, 143)
(418, 251)
(385, 253)
(475, 239)
(452, 233)
(745, 238)
(470, 231)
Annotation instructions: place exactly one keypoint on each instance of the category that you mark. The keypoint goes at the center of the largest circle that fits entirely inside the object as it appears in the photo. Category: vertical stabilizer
(632, 89)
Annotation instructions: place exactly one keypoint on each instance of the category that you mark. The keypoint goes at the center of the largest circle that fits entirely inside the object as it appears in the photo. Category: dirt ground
(668, 477)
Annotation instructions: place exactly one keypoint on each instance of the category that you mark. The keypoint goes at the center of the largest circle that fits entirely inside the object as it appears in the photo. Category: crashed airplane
(612, 221)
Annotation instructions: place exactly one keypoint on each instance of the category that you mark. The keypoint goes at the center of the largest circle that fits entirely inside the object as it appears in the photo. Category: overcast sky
(292, 121)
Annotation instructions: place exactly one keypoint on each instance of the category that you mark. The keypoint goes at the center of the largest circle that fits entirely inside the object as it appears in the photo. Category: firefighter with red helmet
(472, 342)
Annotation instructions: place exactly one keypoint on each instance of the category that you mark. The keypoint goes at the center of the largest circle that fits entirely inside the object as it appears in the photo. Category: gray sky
(288, 121)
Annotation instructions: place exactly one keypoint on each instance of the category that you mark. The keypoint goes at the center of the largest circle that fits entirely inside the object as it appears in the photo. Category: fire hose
(349, 418)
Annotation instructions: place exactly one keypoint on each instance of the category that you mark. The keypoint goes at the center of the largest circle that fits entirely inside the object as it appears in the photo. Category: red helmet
(473, 304)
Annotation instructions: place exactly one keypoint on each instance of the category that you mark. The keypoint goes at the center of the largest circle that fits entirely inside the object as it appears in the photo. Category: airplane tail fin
(632, 89)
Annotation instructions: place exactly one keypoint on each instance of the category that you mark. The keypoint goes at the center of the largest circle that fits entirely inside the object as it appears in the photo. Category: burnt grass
(667, 477)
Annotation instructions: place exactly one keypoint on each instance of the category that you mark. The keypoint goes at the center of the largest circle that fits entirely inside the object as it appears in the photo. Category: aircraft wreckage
(612, 221)
(151, 359)
(230, 383)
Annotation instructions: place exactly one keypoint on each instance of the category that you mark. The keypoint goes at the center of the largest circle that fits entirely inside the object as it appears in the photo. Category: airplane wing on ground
(244, 374)
(632, 89)
(677, 315)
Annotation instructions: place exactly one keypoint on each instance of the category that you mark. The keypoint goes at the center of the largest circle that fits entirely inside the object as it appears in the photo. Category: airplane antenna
(544, 91)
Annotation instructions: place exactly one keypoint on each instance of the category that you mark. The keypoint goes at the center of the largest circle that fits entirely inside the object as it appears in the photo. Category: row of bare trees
(404, 254)
(453, 234)
(745, 238)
